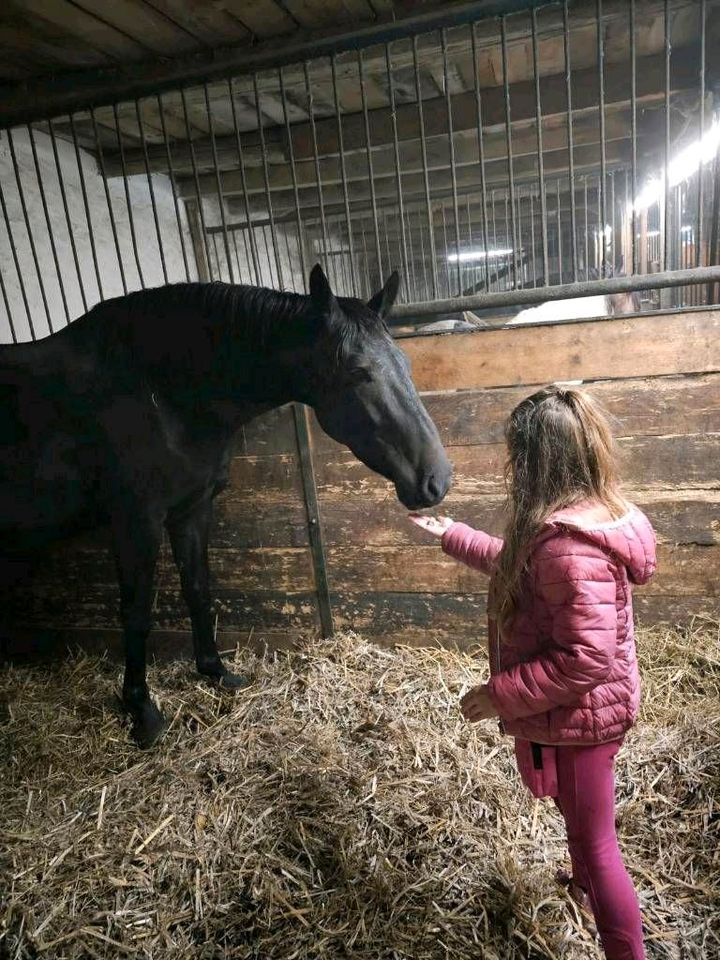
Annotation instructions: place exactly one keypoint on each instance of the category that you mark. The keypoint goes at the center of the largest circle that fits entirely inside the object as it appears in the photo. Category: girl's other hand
(476, 705)
(434, 525)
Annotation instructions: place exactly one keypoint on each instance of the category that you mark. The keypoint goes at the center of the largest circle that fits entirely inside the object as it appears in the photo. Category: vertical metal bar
(245, 231)
(251, 238)
(587, 237)
(613, 247)
(151, 190)
(494, 225)
(48, 222)
(28, 228)
(108, 201)
(633, 132)
(216, 252)
(233, 235)
(701, 178)
(571, 158)
(196, 178)
(266, 180)
(533, 241)
(86, 206)
(218, 182)
(316, 156)
(312, 506)
(343, 172)
(451, 146)
(508, 140)
(128, 204)
(666, 211)
(368, 148)
(13, 332)
(559, 233)
(398, 176)
(446, 255)
(66, 209)
(481, 150)
(171, 176)
(601, 109)
(426, 175)
(541, 162)
(16, 261)
(411, 263)
(506, 227)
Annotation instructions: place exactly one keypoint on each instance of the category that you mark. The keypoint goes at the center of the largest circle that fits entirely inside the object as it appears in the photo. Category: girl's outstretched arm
(472, 547)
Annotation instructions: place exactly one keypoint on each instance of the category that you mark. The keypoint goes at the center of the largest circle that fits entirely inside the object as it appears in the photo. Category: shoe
(580, 897)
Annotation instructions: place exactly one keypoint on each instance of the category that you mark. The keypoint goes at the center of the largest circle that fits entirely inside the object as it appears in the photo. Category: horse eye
(358, 375)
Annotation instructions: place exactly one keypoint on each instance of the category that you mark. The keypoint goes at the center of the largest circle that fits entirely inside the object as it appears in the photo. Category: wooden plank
(207, 22)
(259, 524)
(640, 407)
(421, 619)
(647, 463)
(594, 350)
(687, 516)
(675, 611)
(85, 29)
(683, 570)
(143, 23)
(272, 432)
(262, 18)
(258, 478)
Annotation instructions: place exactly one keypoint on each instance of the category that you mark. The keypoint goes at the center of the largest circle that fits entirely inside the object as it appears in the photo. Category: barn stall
(499, 155)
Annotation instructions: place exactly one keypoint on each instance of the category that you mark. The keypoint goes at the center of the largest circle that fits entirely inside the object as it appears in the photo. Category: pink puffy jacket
(568, 674)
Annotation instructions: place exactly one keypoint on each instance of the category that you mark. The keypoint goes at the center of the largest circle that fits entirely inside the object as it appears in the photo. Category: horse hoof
(148, 724)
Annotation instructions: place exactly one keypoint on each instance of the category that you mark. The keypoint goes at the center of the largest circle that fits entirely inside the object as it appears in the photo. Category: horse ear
(382, 302)
(320, 292)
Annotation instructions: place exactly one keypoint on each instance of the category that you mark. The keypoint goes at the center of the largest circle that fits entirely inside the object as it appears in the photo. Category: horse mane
(151, 327)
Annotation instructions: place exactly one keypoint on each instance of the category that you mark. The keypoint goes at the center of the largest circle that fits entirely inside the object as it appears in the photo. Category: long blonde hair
(561, 451)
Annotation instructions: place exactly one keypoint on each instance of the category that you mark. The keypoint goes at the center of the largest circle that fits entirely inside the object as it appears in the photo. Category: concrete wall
(83, 276)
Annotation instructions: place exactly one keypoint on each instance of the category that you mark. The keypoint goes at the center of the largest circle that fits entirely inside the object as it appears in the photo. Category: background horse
(610, 305)
(126, 417)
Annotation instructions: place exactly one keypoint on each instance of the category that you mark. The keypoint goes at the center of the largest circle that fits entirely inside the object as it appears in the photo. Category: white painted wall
(106, 251)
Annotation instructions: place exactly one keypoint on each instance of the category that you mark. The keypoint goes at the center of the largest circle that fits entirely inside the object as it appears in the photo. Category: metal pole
(701, 178)
(16, 261)
(221, 198)
(176, 202)
(541, 166)
(252, 239)
(451, 145)
(266, 180)
(151, 190)
(601, 108)
(571, 158)
(193, 162)
(398, 177)
(66, 210)
(508, 140)
(481, 152)
(633, 131)
(343, 172)
(426, 176)
(108, 201)
(368, 148)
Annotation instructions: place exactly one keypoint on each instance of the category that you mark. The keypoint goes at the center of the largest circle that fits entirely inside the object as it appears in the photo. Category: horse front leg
(137, 544)
(189, 534)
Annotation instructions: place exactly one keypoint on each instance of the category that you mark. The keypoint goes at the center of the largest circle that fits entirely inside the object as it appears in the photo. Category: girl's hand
(476, 705)
(434, 525)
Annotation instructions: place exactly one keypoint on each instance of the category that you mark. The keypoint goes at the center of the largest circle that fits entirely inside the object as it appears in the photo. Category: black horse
(126, 417)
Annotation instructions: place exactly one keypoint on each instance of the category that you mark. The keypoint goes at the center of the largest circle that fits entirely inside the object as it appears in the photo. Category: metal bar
(176, 202)
(237, 256)
(28, 228)
(398, 177)
(612, 217)
(559, 233)
(316, 156)
(445, 243)
(108, 201)
(666, 204)
(266, 181)
(508, 141)
(128, 204)
(368, 288)
(343, 174)
(76, 90)
(451, 146)
(66, 210)
(701, 177)
(541, 162)
(221, 198)
(368, 147)
(412, 262)
(13, 250)
(633, 131)
(151, 190)
(312, 507)
(48, 220)
(567, 291)
(571, 151)
(243, 183)
(481, 150)
(198, 194)
(601, 111)
(86, 206)
(587, 235)
(426, 175)
(13, 332)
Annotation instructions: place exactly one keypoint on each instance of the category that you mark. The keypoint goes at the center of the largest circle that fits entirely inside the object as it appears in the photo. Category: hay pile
(339, 809)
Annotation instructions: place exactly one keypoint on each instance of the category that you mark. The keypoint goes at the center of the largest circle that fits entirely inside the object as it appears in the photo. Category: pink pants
(586, 798)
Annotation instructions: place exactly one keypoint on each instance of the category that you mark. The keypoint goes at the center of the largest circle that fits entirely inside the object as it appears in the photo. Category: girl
(564, 678)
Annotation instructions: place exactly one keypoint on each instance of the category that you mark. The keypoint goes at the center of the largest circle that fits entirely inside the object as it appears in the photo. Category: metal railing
(494, 162)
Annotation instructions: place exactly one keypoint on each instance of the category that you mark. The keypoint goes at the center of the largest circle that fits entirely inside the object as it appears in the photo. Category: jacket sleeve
(472, 547)
(580, 594)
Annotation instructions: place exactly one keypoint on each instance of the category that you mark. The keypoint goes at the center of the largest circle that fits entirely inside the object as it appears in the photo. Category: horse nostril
(433, 486)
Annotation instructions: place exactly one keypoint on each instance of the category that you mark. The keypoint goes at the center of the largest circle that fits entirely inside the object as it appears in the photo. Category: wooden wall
(658, 375)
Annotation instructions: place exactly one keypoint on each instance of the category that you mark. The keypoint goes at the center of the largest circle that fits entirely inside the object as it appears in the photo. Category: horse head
(364, 397)
(617, 303)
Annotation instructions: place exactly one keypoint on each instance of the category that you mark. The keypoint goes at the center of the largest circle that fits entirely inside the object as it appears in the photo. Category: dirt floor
(340, 808)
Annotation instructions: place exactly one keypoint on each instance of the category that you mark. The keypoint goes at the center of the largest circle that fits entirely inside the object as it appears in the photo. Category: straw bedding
(338, 809)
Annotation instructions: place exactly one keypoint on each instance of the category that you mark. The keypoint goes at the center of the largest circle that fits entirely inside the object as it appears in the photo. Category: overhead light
(470, 255)
(685, 164)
